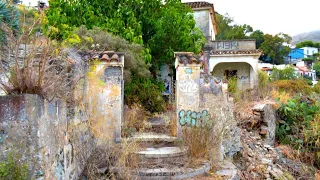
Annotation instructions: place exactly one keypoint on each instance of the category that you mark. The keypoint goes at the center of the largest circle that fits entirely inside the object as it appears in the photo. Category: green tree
(163, 27)
(258, 36)
(287, 73)
(274, 48)
(316, 67)
(229, 30)
(308, 43)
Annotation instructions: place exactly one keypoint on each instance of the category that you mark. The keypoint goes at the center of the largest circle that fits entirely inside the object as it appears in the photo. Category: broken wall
(39, 131)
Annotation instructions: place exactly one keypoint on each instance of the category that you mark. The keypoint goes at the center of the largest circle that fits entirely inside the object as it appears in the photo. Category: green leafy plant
(299, 124)
(232, 85)
(263, 79)
(147, 92)
(11, 168)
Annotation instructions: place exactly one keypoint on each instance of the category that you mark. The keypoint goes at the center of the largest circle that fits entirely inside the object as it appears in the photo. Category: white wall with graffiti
(242, 72)
(245, 65)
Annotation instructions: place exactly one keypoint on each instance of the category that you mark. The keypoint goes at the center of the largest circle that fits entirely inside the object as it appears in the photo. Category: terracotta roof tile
(105, 56)
(304, 69)
(188, 58)
(253, 51)
(199, 4)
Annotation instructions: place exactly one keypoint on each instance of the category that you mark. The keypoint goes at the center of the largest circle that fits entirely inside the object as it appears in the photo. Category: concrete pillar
(187, 87)
(106, 92)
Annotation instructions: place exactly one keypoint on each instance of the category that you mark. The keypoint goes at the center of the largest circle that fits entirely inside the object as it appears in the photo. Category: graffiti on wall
(227, 45)
(194, 119)
(188, 85)
(243, 78)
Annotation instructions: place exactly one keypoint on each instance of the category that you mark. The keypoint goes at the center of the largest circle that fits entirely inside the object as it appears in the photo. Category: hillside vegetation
(312, 36)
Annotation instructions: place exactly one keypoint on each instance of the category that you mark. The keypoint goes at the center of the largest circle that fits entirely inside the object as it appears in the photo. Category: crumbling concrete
(265, 116)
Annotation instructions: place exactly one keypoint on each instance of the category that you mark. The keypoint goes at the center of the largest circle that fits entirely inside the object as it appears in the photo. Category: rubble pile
(259, 160)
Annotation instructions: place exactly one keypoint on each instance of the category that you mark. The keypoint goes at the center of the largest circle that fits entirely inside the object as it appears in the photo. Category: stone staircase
(162, 156)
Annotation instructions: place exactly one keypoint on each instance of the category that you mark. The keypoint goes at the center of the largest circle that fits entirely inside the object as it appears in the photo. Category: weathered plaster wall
(40, 132)
(105, 100)
(203, 22)
(243, 72)
(187, 92)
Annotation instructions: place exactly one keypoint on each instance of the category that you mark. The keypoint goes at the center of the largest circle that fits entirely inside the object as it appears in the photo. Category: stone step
(162, 157)
(162, 152)
(171, 173)
(152, 137)
(157, 125)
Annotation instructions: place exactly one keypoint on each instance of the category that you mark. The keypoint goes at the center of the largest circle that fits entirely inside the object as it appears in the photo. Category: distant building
(309, 51)
(301, 69)
(38, 4)
(296, 54)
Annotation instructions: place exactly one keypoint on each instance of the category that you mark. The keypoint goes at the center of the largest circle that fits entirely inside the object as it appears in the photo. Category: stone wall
(40, 132)
(264, 116)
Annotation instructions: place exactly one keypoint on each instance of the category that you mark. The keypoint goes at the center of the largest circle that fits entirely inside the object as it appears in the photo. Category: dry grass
(135, 119)
(107, 160)
(205, 143)
(200, 143)
(288, 151)
(293, 86)
(31, 64)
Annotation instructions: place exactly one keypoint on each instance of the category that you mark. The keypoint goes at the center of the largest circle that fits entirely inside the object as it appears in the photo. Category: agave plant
(9, 16)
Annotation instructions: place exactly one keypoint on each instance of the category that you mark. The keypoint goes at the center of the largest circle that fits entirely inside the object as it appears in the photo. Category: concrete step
(152, 137)
(171, 173)
(157, 125)
(163, 152)
(162, 157)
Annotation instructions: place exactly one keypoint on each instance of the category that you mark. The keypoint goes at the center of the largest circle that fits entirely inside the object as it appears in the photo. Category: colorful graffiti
(194, 119)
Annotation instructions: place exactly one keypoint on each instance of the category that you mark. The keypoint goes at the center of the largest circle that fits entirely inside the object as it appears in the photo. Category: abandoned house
(225, 58)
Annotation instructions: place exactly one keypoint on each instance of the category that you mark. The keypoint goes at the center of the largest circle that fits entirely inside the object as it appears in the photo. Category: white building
(309, 51)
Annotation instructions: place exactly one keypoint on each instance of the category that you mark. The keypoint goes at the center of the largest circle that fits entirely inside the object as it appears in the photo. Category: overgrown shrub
(299, 125)
(233, 85)
(147, 92)
(135, 65)
(293, 86)
(140, 87)
(263, 79)
(316, 88)
(282, 74)
(108, 160)
(12, 168)
(135, 119)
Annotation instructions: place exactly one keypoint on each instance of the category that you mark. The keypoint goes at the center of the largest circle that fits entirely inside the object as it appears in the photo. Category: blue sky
(272, 16)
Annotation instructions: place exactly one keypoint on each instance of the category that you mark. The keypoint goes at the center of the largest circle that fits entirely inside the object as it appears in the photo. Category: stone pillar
(187, 87)
(105, 80)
